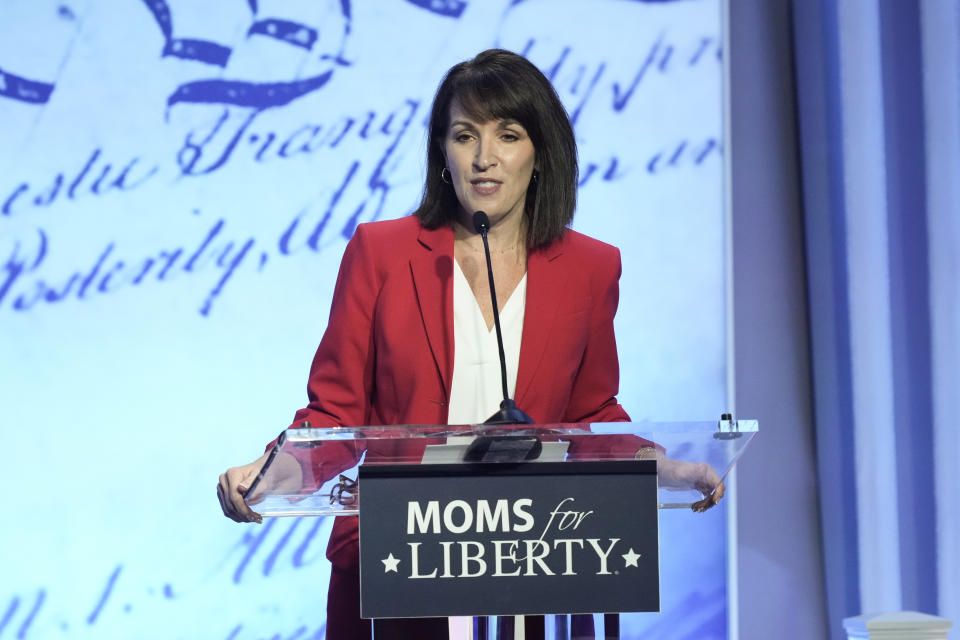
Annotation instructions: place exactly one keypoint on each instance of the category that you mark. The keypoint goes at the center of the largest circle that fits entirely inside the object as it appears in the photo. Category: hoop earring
(445, 175)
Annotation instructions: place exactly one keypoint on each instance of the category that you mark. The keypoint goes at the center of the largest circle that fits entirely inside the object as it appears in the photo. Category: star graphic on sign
(390, 564)
(630, 558)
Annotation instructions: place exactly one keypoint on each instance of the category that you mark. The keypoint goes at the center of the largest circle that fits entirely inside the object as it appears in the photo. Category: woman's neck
(506, 235)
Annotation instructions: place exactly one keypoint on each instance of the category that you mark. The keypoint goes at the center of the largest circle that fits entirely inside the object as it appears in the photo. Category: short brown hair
(499, 85)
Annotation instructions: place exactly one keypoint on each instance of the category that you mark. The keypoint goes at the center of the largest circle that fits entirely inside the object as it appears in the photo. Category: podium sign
(508, 539)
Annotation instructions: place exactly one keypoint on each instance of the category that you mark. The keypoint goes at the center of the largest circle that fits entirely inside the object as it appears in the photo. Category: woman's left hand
(678, 474)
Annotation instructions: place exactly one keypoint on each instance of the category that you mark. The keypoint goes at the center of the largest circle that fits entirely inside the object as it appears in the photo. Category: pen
(266, 465)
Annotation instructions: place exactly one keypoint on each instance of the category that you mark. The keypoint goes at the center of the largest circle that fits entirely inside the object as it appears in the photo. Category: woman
(409, 339)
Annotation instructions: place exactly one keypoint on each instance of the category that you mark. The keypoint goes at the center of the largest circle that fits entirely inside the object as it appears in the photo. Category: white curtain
(879, 109)
(940, 20)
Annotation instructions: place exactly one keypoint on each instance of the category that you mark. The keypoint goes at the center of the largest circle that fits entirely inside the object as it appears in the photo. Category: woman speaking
(410, 339)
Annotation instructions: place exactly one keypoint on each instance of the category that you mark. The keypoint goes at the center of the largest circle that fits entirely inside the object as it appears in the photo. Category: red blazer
(386, 357)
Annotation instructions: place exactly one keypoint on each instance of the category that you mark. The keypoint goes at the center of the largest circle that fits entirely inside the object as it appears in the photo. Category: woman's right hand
(232, 489)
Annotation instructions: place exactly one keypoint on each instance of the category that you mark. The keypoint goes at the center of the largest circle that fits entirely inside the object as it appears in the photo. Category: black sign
(508, 539)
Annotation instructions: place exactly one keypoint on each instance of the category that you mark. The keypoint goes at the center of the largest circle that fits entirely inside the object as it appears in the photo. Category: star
(630, 558)
(390, 564)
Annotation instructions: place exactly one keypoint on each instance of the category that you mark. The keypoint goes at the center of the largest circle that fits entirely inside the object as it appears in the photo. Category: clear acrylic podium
(313, 472)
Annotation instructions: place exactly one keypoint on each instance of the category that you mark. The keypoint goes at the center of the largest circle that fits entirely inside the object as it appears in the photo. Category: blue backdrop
(177, 185)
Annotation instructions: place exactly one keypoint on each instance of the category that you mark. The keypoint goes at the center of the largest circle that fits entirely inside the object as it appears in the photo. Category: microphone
(509, 412)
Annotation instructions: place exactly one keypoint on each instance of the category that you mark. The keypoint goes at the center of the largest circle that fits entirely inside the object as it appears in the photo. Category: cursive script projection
(212, 247)
(235, 132)
(233, 135)
(277, 548)
(299, 536)
(97, 176)
(175, 188)
(22, 624)
(302, 632)
(24, 89)
(447, 8)
(31, 615)
(250, 93)
(236, 137)
(578, 83)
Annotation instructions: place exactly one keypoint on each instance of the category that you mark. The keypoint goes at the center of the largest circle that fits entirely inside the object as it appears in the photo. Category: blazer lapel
(545, 292)
(432, 269)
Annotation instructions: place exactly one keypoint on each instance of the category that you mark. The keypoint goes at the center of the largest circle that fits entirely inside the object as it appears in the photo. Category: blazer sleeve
(597, 382)
(594, 394)
(340, 386)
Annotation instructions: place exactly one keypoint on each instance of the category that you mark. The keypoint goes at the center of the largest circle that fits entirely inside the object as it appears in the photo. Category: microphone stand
(501, 448)
(509, 412)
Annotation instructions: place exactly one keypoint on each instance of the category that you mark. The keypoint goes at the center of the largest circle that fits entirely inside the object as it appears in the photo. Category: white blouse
(476, 390)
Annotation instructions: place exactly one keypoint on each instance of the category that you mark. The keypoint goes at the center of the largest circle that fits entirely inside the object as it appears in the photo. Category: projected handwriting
(234, 132)
(685, 151)
(254, 92)
(186, 48)
(110, 272)
(253, 544)
(104, 595)
(212, 247)
(97, 177)
(297, 543)
(208, 150)
(23, 89)
(360, 193)
(446, 8)
(247, 94)
(26, 622)
(30, 90)
(578, 84)
(23, 288)
(300, 633)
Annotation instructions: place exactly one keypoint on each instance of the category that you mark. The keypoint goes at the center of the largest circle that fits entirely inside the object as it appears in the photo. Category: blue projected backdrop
(177, 185)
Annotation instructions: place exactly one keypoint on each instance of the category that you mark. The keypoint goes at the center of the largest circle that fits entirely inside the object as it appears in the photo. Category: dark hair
(498, 85)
